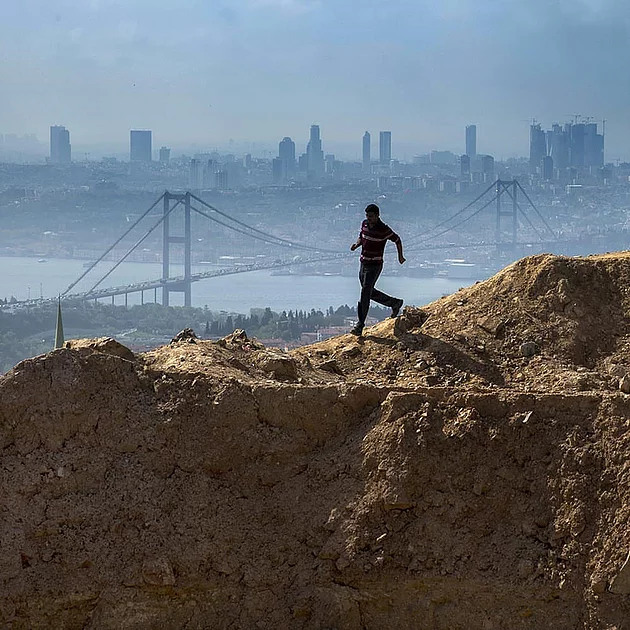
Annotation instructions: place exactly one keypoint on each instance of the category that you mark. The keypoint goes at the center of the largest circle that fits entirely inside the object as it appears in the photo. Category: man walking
(372, 239)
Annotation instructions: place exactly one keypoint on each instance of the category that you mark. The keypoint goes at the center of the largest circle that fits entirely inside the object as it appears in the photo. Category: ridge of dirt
(462, 466)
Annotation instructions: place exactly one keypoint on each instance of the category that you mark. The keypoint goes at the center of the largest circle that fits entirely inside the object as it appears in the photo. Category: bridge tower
(178, 284)
(509, 187)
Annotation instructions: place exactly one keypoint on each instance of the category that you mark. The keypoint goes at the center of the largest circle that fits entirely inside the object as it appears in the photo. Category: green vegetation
(27, 332)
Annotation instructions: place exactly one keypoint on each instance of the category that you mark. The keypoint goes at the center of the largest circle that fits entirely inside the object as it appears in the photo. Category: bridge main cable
(109, 249)
(264, 236)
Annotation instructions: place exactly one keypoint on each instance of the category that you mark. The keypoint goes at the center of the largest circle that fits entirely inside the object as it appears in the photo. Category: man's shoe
(396, 308)
(357, 330)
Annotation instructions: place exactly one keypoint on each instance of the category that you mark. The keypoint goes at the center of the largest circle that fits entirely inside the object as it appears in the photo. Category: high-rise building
(385, 147)
(278, 170)
(464, 165)
(315, 154)
(577, 133)
(140, 149)
(201, 173)
(471, 140)
(165, 155)
(286, 153)
(593, 146)
(537, 146)
(487, 167)
(546, 167)
(558, 147)
(60, 149)
(367, 147)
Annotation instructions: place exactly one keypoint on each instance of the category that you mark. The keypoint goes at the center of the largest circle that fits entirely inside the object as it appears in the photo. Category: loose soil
(462, 466)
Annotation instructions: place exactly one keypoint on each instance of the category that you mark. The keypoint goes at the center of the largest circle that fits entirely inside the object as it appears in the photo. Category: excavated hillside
(463, 466)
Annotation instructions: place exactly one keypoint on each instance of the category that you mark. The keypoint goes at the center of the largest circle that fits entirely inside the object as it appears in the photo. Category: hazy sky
(208, 71)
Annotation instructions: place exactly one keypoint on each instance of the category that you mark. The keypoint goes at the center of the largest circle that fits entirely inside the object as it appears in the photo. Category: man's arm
(399, 247)
(356, 244)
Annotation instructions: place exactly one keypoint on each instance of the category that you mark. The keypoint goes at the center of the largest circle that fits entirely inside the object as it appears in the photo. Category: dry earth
(463, 466)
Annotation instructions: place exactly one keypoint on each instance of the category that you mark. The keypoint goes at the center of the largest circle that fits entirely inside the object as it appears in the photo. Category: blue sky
(206, 71)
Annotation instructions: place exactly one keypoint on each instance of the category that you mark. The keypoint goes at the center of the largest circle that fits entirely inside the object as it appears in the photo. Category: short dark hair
(373, 209)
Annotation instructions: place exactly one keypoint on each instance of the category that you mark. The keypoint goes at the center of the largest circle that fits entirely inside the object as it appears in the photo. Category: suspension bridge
(513, 209)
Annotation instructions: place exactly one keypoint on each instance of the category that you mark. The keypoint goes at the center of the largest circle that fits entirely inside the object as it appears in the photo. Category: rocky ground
(463, 466)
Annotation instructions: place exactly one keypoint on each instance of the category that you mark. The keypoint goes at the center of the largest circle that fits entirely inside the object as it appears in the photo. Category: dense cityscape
(292, 194)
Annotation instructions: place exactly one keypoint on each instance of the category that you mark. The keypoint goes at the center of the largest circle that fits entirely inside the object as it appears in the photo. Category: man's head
(372, 214)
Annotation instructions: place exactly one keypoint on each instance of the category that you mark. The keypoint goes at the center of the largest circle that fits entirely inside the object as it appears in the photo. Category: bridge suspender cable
(109, 249)
(137, 244)
(415, 246)
(430, 235)
(253, 229)
(265, 238)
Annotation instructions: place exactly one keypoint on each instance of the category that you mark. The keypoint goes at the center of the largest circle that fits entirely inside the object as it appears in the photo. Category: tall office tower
(559, 147)
(537, 146)
(576, 147)
(471, 140)
(286, 153)
(487, 165)
(196, 174)
(593, 146)
(60, 149)
(367, 147)
(278, 170)
(314, 154)
(547, 167)
(165, 155)
(385, 147)
(140, 145)
(464, 165)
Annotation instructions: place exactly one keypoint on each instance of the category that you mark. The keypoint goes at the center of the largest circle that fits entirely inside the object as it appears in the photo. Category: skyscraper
(367, 146)
(286, 153)
(165, 155)
(60, 149)
(537, 146)
(140, 145)
(315, 154)
(385, 147)
(577, 137)
(593, 146)
(471, 140)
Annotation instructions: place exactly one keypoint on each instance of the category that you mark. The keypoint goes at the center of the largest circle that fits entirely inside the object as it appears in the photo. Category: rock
(330, 366)
(492, 325)
(158, 572)
(350, 353)
(106, 345)
(624, 384)
(409, 319)
(620, 584)
(188, 334)
(281, 366)
(529, 349)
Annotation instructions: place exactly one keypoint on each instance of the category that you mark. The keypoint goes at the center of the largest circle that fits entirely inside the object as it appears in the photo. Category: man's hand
(354, 246)
(401, 259)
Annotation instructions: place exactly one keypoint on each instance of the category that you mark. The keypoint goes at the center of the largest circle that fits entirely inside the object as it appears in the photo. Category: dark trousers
(368, 275)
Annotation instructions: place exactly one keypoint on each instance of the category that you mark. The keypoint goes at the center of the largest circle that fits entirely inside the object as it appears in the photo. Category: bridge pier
(171, 285)
(509, 187)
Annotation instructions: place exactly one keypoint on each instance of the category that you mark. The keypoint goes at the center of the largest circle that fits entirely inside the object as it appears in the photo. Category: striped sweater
(373, 241)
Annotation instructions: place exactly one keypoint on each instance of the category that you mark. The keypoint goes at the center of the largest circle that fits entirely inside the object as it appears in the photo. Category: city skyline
(258, 70)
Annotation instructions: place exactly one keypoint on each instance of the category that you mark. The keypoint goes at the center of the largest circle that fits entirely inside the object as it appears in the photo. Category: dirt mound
(462, 466)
